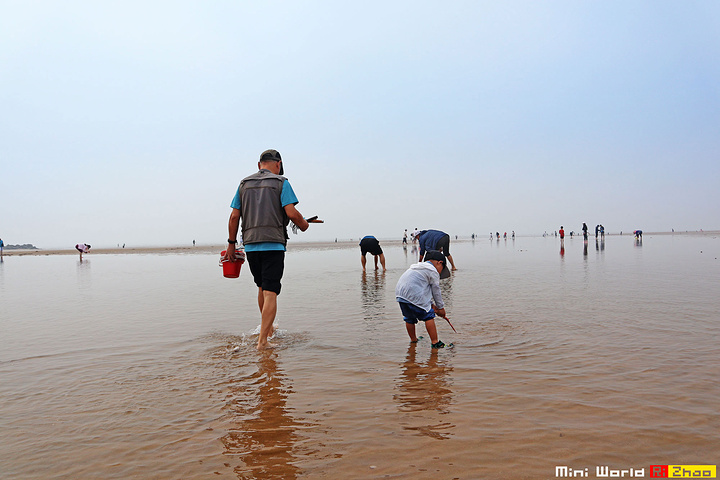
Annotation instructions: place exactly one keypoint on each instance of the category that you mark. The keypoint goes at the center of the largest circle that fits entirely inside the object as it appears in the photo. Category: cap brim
(445, 272)
(282, 170)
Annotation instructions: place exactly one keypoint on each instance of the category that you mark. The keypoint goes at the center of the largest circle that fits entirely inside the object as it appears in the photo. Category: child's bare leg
(432, 330)
(411, 331)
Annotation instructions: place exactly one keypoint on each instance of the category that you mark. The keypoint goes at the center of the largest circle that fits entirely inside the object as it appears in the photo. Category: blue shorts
(412, 313)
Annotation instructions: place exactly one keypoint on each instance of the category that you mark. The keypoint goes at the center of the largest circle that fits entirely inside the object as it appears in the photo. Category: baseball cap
(440, 257)
(273, 155)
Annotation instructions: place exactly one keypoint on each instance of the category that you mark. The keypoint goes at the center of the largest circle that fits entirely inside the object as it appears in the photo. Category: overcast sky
(134, 122)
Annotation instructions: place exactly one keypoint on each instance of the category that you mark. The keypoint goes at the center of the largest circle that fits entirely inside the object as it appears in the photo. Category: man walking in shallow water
(266, 203)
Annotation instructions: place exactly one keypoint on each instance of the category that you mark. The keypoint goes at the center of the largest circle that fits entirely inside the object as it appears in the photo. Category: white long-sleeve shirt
(420, 285)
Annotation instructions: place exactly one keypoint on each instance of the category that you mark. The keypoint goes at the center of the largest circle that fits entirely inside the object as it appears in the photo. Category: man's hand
(230, 253)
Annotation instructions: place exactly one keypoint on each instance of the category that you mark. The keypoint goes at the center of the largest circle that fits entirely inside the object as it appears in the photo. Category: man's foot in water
(266, 346)
(439, 344)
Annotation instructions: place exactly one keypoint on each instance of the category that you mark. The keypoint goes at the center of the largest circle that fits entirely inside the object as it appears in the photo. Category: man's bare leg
(363, 261)
(382, 261)
(449, 257)
(267, 301)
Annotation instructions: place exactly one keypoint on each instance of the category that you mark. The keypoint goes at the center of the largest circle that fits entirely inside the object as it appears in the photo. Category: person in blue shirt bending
(370, 244)
(435, 240)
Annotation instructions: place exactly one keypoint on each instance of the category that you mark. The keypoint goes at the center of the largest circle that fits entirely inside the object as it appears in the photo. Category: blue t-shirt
(429, 240)
(287, 197)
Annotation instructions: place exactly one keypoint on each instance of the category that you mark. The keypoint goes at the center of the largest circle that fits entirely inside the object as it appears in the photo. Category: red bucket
(232, 269)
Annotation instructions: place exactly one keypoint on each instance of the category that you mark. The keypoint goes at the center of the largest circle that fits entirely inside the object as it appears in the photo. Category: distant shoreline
(216, 249)
(292, 246)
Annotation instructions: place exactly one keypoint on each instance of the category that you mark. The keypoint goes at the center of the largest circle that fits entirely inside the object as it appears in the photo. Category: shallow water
(143, 366)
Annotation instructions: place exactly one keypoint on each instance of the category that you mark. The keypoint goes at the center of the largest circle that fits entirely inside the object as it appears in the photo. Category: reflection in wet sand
(424, 387)
(264, 434)
(372, 287)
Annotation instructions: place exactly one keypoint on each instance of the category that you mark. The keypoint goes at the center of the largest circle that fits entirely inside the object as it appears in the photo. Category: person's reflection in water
(266, 434)
(599, 245)
(425, 387)
(373, 295)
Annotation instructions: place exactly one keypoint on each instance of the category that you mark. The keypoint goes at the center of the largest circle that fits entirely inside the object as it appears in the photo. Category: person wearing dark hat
(370, 244)
(436, 240)
(418, 293)
(266, 203)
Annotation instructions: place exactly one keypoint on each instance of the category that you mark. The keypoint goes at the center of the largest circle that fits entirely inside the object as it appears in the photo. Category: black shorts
(267, 269)
(444, 245)
(370, 245)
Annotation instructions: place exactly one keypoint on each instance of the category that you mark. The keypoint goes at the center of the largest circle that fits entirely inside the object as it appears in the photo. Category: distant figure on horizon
(602, 231)
(193, 243)
(370, 244)
(435, 240)
(638, 238)
(405, 237)
(585, 230)
(82, 248)
(597, 230)
(513, 234)
(562, 235)
(2, 245)
(414, 235)
(418, 294)
(505, 235)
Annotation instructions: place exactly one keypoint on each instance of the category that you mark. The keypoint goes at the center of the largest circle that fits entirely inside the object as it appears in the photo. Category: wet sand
(144, 366)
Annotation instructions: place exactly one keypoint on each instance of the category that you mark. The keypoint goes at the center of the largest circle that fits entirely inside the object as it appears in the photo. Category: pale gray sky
(133, 122)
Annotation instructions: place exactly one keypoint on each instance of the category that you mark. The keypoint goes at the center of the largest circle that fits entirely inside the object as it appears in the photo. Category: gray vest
(263, 217)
